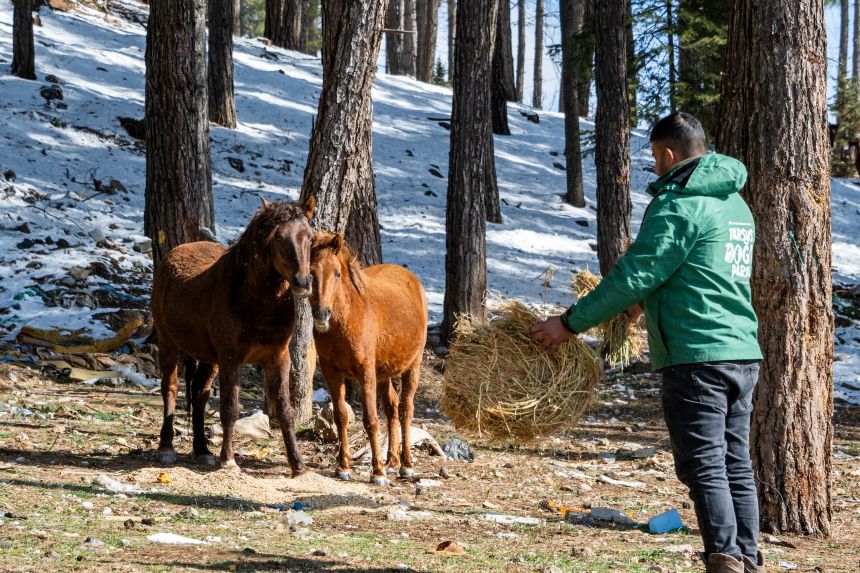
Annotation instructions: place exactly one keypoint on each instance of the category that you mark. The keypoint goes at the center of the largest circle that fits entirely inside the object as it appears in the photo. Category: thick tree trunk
(612, 132)
(452, 38)
(23, 52)
(310, 13)
(428, 24)
(284, 23)
(775, 83)
(537, 94)
(856, 59)
(400, 45)
(586, 65)
(178, 170)
(572, 22)
(632, 66)
(673, 76)
(521, 48)
(222, 101)
(842, 70)
(303, 361)
(471, 162)
(503, 86)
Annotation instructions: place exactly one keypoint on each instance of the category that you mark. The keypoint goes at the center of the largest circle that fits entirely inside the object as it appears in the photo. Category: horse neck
(349, 302)
(261, 281)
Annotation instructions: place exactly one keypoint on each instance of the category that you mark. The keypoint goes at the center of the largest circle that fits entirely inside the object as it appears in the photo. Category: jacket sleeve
(666, 237)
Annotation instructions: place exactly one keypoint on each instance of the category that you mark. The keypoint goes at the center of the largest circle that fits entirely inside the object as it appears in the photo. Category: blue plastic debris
(299, 506)
(665, 522)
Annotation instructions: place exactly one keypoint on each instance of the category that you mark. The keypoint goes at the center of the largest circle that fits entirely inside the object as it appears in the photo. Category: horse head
(331, 261)
(279, 237)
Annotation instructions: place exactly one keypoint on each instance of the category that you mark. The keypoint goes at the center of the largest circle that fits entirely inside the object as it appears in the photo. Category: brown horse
(228, 307)
(370, 325)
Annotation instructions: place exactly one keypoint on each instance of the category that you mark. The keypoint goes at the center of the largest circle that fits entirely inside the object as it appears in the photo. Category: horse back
(400, 309)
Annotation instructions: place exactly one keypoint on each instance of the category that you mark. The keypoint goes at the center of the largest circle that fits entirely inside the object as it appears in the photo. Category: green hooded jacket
(689, 267)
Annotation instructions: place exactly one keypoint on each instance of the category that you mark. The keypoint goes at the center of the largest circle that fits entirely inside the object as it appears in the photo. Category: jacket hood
(711, 175)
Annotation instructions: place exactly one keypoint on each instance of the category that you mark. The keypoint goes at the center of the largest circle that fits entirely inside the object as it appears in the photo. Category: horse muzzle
(322, 319)
(302, 287)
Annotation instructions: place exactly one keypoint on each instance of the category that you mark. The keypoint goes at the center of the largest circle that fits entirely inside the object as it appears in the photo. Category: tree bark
(673, 76)
(284, 23)
(521, 48)
(503, 86)
(222, 101)
(238, 25)
(471, 162)
(400, 46)
(842, 70)
(310, 13)
(23, 51)
(612, 132)
(452, 38)
(178, 170)
(775, 83)
(428, 24)
(632, 66)
(537, 95)
(856, 63)
(572, 22)
(586, 65)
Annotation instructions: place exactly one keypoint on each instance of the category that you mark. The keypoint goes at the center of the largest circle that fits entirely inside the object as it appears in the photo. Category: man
(689, 267)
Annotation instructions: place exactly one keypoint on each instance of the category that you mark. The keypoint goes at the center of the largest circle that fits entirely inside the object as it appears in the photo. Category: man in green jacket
(689, 268)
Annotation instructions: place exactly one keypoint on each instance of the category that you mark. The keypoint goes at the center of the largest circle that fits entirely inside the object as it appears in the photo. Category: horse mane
(334, 244)
(246, 253)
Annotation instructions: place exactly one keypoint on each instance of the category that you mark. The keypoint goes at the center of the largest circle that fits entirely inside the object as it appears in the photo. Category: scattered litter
(418, 437)
(607, 458)
(489, 505)
(458, 450)
(164, 477)
(665, 522)
(429, 483)
(511, 519)
(786, 565)
(255, 426)
(773, 540)
(14, 410)
(257, 454)
(321, 396)
(610, 481)
(87, 505)
(173, 539)
(600, 514)
(685, 548)
(325, 428)
(449, 548)
(115, 486)
(297, 518)
(507, 535)
(107, 511)
(644, 453)
(213, 539)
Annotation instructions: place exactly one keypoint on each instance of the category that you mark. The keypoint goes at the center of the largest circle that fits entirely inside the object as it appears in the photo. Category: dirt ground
(57, 515)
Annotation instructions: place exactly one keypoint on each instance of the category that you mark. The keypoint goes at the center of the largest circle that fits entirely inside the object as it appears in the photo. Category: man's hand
(550, 333)
(634, 312)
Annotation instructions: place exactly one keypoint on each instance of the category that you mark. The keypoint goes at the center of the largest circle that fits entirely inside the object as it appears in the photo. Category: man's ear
(309, 206)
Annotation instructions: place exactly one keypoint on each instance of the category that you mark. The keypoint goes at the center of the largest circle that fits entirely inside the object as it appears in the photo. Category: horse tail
(190, 372)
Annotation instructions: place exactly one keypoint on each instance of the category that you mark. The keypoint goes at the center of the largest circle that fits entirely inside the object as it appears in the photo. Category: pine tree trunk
(23, 52)
(856, 64)
(503, 87)
(452, 38)
(222, 102)
(673, 77)
(471, 161)
(400, 46)
(776, 83)
(572, 21)
(586, 65)
(632, 66)
(238, 26)
(842, 71)
(284, 23)
(521, 48)
(612, 146)
(178, 171)
(303, 362)
(537, 95)
(310, 13)
(428, 24)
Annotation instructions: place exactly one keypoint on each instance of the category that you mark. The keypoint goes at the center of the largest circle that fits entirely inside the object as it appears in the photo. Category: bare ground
(59, 518)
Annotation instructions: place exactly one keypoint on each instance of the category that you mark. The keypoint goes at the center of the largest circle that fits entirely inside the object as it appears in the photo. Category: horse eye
(337, 274)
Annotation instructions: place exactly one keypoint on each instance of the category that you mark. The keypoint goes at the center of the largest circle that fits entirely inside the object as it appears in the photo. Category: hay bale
(621, 340)
(499, 383)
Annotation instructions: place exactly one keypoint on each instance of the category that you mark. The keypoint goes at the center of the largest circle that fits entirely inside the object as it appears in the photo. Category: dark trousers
(707, 409)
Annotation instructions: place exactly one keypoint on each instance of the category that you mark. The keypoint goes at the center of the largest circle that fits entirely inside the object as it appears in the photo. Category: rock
(147, 521)
(443, 472)
(532, 117)
(441, 351)
(559, 166)
(436, 173)
(51, 93)
(581, 222)
(237, 164)
(644, 453)
(188, 513)
(9, 175)
(206, 234)
(97, 235)
(63, 244)
(114, 186)
(79, 273)
(52, 79)
(551, 569)
(134, 127)
(398, 515)
(144, 246)
(319, 553)
(450, 548)
(324, 427)
(458, 450)
(128, 524)
(26, 244)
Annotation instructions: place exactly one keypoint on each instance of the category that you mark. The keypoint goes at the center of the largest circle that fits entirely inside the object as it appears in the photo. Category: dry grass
(621, 340)
(500, 384)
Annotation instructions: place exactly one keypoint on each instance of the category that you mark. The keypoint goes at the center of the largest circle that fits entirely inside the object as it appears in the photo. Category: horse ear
(265, 203)
(337, 244)
(309, 205)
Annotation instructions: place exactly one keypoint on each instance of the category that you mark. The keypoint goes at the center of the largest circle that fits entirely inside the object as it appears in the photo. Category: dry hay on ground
(499, 383)
(620, 337)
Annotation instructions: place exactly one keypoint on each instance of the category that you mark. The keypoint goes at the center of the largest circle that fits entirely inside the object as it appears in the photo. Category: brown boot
(722, 563)
(755, 567)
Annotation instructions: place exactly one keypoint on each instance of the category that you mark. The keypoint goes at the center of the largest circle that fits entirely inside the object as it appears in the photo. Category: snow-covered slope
(57, 151)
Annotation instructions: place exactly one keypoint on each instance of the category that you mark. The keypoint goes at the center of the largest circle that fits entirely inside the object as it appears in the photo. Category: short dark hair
(682, 132)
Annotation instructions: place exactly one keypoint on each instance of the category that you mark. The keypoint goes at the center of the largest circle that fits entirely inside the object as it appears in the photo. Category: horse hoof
(230, 465)
(297, 471)
(166, 457)
(406, 472)
(380, 481)
(343, 476)
(207, 460)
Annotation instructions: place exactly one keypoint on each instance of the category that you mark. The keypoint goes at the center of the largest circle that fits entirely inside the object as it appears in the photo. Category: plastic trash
(511, 519)
(116, 486)
(297, 518)
(458, 450)
(665, 522)
(173, 539)
(601, 514)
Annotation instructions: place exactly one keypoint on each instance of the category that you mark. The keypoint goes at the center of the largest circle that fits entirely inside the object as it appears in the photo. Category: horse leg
(371, 425)
(229, 408)
(388, 396)
(409, 384)
(201, 388)
(278, 378)
(337, 389)
(169, 362)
